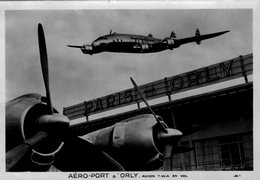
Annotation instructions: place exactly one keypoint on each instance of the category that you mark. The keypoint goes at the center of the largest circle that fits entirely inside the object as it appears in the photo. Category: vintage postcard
(129, 90)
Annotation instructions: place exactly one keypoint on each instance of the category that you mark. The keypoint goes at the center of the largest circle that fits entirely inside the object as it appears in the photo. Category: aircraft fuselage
(128, 44)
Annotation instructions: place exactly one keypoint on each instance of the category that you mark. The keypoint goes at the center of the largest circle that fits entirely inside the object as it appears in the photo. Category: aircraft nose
(97, 43)
(94, 43)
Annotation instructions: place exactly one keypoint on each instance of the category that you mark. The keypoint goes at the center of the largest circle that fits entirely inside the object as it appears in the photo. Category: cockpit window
(101, 38)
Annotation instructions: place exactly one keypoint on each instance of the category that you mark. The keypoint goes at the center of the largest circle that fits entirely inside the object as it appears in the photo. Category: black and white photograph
(150, 91)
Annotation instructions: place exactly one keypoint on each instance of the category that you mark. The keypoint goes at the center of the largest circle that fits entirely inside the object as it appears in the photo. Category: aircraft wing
(199, 38)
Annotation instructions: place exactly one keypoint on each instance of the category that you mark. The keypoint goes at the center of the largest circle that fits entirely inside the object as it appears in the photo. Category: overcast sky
(76, 77)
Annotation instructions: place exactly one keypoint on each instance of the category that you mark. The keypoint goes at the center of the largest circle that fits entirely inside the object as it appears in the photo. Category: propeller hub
(53, 123)
(57, 126)
(171, 134)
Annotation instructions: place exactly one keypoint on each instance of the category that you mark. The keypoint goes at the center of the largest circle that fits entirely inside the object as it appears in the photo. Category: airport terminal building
(224, 139)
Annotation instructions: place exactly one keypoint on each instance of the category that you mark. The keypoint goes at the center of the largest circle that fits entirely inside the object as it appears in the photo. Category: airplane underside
(133, 48)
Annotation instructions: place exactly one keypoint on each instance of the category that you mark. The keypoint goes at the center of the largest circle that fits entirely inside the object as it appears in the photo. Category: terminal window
(233, 152)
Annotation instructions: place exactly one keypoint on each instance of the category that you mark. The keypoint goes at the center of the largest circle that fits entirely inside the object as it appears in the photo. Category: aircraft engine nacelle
(144, 47)
(25, 117)
(87, 49)
(171, 42)
(133, 142)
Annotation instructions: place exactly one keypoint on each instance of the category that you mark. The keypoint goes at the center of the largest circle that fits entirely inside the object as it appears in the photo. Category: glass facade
(233, 152)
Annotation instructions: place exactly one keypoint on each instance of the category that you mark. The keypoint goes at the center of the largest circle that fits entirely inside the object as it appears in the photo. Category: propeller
(15, 155)
(44, 66)
(163, 128)
(75, 153)
(167, 135)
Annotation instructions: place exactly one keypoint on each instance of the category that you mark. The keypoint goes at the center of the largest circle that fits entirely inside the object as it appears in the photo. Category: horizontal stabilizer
(73, 46)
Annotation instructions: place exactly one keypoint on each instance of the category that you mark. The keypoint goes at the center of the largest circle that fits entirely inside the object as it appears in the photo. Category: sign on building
(230, 69)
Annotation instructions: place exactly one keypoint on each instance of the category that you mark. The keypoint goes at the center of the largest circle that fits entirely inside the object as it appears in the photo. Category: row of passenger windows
(133, 40)
(129, 40)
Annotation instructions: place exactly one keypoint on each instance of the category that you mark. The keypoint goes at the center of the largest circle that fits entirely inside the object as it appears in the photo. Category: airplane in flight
(38, 138)
(128, 43)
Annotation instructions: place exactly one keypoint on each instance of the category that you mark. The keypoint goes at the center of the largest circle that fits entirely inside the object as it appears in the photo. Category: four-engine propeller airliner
(128, 43)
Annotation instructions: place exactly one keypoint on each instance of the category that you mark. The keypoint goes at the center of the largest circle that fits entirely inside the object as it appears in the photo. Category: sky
(76, 77)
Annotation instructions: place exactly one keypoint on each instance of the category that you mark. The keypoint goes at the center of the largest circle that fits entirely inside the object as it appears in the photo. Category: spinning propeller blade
(163, 128)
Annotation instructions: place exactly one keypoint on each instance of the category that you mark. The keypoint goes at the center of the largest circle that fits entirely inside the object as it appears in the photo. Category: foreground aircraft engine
(38, 137)
(28, 120)
(136, 143)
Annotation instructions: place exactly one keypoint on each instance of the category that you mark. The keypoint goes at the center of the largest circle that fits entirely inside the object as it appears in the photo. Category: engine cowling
(87, 49)
(25, 117)
(171, 42)
(144, 47)
(133, 143)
